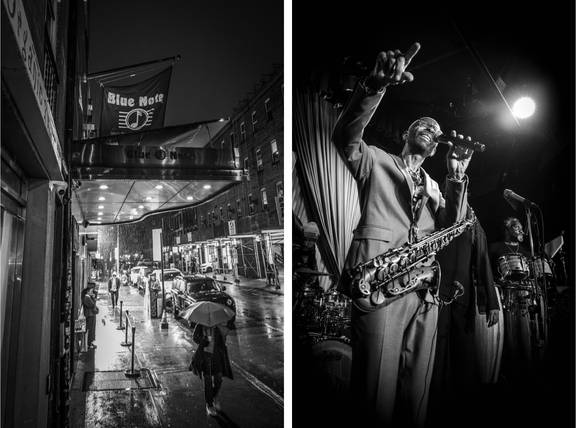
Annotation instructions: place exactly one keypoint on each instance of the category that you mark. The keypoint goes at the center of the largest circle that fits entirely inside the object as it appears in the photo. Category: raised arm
(389, 69)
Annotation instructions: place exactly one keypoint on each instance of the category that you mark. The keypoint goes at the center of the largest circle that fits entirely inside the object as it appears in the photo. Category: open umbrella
(207, 313)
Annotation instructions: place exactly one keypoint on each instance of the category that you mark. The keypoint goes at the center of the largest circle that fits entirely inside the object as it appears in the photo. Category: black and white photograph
(142, 239)
(433, 215)
(149, 278)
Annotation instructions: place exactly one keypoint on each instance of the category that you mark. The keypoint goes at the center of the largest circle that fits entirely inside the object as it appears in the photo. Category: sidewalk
(178, 399)
(252, 283)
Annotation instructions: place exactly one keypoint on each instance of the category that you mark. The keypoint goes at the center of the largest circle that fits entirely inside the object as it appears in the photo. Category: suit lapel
(407, 188)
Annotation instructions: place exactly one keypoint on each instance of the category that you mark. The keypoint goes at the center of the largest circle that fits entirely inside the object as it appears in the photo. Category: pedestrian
(211, 362)
(113, 287)
(90, 309)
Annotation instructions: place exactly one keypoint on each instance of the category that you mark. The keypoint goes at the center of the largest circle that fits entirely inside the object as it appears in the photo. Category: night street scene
(142, 263)
(433, 215)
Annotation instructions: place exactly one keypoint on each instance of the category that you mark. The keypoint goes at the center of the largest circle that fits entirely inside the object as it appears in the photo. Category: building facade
(44, 59)
(240, 231)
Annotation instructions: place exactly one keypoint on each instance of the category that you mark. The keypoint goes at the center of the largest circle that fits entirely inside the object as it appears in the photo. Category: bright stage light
(524, 108)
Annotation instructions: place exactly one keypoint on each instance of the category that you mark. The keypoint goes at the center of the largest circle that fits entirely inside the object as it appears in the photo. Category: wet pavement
(253, 399)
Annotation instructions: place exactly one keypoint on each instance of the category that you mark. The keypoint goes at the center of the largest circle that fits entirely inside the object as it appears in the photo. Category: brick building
(243, 226)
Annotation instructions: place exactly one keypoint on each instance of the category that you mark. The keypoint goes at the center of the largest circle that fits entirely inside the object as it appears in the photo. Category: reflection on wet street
(252, 399)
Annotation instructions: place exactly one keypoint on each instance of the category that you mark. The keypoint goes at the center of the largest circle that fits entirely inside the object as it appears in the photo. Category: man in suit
(393, 345)
(113, 287)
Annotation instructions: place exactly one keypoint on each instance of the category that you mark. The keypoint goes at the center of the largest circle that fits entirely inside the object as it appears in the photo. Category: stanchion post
(131, 372)
(126, 343)
(120, 327)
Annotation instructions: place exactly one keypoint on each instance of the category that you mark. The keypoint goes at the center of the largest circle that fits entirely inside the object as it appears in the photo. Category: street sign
(232, 227)
(156, 246)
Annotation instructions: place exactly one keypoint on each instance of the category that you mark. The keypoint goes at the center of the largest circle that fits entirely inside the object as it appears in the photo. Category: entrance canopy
(125, 177)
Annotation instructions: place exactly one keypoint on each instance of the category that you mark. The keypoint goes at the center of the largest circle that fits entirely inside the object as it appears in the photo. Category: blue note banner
(135, 108)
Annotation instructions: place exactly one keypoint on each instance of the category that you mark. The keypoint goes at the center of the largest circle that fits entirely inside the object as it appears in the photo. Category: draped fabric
(328, 190)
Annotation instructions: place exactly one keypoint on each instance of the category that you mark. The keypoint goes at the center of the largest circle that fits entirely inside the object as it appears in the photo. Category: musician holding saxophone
(393, 344)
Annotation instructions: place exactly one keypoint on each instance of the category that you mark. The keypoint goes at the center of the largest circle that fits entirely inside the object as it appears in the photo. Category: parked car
(169, 275)
(206, 267)
(188, 289)
(138, 276)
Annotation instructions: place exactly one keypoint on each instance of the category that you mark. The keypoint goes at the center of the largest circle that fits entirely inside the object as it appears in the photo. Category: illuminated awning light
(101, 198)
(100, 213)
(524, 108)
(189, 198)
(207, 186)
(100, 207)
(159, 187)
(103, 186)
(140, 207)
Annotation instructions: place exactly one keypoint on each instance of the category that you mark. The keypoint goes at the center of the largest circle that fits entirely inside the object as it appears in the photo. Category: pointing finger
(399, 69)
(412, 52)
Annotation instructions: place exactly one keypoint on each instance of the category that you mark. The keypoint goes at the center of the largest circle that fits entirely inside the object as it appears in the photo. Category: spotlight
(524, 108)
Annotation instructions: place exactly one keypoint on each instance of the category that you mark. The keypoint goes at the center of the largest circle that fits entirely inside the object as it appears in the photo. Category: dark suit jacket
(466, 260)
(385, 189)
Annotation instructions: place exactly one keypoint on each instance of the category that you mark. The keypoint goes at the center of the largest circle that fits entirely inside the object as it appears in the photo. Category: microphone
(460, 141)
(513, 199)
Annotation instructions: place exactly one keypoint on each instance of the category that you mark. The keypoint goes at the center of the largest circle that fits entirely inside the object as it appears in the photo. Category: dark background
(226, 47)
(531, 49)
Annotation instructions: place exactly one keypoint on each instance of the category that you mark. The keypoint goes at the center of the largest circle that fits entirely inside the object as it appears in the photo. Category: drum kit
(523, 283)
(323, 320)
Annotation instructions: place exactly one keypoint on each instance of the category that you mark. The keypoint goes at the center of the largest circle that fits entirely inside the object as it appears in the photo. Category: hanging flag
(137, 107)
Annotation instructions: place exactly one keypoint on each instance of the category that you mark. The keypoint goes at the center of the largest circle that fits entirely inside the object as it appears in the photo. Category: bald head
(420, 135)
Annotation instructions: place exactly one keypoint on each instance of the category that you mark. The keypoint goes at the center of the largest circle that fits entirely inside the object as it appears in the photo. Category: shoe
(217, 405)
(210, 410)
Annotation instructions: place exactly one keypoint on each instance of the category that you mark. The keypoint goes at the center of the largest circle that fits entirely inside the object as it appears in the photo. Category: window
(254, 121)
(251, 204)
(221, 214)
(267, 109)
(247, 167)
(222, 144)
(259, 161)
(264, 199)
(50, 72)
(243, 132)
(232, 139)
(238, 208)
(275, 153)
(279, 188)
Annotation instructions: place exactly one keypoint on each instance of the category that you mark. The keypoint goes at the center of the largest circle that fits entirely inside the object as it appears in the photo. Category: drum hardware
(513, 267)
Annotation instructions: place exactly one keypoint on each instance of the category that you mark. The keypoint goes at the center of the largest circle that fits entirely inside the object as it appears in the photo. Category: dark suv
(188, 289)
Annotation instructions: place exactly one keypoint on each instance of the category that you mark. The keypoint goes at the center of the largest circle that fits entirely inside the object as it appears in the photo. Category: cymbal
(309, 271)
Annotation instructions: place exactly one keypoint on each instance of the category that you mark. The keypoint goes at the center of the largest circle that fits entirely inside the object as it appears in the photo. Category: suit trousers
(393, 358)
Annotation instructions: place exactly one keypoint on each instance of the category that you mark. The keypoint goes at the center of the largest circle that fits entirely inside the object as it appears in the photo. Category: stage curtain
(328, 189)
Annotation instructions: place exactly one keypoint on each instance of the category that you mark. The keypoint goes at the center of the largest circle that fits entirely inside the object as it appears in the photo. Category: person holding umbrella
(210, 360)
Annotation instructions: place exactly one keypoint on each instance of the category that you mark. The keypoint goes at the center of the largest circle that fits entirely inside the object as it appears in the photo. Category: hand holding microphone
(458, 140)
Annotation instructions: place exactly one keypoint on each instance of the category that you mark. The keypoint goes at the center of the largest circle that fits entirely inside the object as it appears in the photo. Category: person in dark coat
(465, 260)
(90, 310)
(211, 362)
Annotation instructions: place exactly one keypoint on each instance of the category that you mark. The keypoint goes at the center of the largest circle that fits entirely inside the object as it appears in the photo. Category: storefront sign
(135, 107)
(19, 23)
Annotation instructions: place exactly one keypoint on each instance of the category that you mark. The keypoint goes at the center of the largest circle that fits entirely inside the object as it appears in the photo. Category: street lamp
(164, 322)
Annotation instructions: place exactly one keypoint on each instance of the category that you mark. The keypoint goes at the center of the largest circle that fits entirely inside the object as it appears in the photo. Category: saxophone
(399, 271)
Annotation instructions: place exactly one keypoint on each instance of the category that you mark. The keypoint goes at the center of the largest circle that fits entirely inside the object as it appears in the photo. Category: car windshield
(195, 286)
